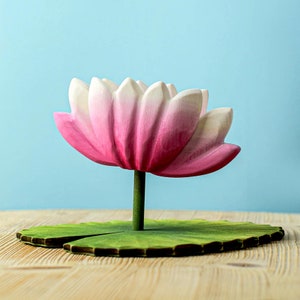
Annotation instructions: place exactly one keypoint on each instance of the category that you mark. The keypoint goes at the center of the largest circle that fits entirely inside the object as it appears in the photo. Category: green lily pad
(56, 235)
(160, 237)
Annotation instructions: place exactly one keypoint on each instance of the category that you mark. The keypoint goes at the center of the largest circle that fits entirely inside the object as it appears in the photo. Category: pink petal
(125, 108)
(173, 128)
(102, 119)
(209, 162)
(70, 130)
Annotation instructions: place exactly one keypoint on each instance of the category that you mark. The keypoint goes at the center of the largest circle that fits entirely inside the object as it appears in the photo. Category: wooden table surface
(268, 272)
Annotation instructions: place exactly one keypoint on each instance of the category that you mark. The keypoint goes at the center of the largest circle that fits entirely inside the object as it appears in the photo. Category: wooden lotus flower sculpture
(146, 129)
(149, 129)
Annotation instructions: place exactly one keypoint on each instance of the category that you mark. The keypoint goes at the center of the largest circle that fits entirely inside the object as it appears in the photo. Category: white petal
(216, 123)
(78, 97)
(172, 90)
(128, 89)
(142, 85)
(157, 90)
(204, 101)
(211, 131)
(110, 84)
(191, 95)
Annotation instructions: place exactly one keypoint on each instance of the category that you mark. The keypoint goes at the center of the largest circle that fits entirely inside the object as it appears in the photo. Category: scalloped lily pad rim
(160, 237)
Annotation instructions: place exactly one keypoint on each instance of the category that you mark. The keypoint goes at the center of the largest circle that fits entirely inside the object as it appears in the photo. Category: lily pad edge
(184, 249)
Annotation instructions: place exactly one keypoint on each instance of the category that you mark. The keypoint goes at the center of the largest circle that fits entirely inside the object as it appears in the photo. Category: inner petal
(101, 114)
(176, 127)
(126, 100)
(151, 109)
(78, 98)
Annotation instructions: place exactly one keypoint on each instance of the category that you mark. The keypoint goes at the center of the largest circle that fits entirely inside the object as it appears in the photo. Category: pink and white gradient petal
(69, 129)
(78, 98)
(102, 119)
(176, 127)
(210, 161)
(125, 106)
(209, 135)
(211, 131)
(151, 108)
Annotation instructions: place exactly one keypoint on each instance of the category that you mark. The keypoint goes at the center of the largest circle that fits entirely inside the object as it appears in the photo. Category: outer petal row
(70, 130)
(209, 162)
(206, 151)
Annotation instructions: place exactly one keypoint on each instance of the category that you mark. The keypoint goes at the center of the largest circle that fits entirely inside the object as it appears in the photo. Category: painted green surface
(160, 237)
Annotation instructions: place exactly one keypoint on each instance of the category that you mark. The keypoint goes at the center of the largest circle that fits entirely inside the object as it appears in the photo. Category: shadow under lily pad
(160, 237)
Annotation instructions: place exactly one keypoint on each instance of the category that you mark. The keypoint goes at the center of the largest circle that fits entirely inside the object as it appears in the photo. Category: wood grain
(268, 272)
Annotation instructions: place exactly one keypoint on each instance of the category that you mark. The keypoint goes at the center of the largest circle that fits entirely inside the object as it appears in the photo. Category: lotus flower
(150, 129)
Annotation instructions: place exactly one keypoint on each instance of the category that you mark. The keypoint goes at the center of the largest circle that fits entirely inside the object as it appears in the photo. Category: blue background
(246, 53)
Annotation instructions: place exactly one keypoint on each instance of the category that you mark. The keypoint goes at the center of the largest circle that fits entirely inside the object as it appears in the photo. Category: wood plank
(267, 272)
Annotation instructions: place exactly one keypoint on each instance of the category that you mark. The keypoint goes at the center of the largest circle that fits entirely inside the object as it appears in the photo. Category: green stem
(138, 200)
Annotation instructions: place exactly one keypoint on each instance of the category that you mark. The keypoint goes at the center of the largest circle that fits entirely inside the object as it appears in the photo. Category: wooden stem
(138, 200)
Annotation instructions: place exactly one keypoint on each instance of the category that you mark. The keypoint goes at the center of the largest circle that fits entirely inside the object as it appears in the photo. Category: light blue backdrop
(245, 52)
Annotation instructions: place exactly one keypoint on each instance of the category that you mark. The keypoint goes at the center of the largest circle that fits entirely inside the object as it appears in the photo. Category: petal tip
(77, 82)
(60, 117)
(129, 88)
(127, 81)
